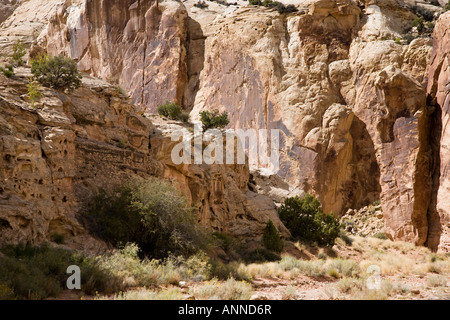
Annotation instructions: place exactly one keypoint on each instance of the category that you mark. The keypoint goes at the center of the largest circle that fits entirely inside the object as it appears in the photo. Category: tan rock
(140, 45)
(438, 91)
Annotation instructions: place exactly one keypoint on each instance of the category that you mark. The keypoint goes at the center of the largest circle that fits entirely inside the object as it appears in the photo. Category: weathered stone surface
(219, 191)
(7, 7)
(438, 90)
(26, 23)
(140, 45)
(54, 156)
(349, 101)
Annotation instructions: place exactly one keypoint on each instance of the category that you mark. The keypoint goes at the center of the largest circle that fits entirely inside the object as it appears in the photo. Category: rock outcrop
(438, 90)
(139, 45)
(56, 155)
(350, 103)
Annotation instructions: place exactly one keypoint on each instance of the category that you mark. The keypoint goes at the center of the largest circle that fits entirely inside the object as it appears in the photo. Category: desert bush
(261, 255)
(169, 110)
(381, 235)
(424, 13)
(146, 294)
(8, 71)
(289, 293)
(58, 72)
(436, 280)
(213, 119)
(344, 236)
(18, 53)
(183, 116)
(280, 7)
(271, 238)
(34, 93)
(306, 221)
(201, 5)
(150, 213)
(228, 290)
(38, 272)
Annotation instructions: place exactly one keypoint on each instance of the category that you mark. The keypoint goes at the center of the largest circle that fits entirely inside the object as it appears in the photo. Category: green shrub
(262, 255)
(39, 272)
(212, 119)
(271, 238)
(18, 53)
(424, 13)
(281, 8)
(8, 72)
(201, 5)
(418, 23)
(58, 72)
(169, 110)
(33, 91)
(183, 116)
(150, 213)
(306, 221)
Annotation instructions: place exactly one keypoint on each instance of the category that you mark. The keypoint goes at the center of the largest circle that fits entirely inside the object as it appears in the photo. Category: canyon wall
(361, 114)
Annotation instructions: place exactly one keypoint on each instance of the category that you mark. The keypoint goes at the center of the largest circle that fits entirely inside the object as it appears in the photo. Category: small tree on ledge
(213, 119)
(58, 72)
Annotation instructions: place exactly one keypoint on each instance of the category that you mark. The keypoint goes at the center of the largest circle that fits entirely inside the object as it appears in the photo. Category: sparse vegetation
(201, 5)
(229, 290)
(34, 93)
(280, 7)
(19, 52)
(8, 71)
(58, 72)
(271, 238)
(213, 119)
(40, 272)
(150, 213)
(306, 221)
(173, 111)
(447, 6)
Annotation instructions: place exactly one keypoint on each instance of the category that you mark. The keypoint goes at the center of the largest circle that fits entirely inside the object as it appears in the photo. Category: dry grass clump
(147, 294)
(228, 290)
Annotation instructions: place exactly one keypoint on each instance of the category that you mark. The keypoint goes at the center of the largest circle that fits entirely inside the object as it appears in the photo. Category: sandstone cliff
(58, 154)
(361, 113)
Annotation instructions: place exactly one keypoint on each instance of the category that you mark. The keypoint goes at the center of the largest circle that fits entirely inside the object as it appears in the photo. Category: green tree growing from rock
(60, 73)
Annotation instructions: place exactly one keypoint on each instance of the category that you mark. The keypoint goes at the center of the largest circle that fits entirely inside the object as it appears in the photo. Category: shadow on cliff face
(195, 61)
(349, 178)
(434, 221)
(366, 174)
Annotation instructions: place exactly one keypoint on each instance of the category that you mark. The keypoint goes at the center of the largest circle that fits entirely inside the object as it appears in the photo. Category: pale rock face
(219, 191)
(56, 154)
(350, 103)
(385, 19)
(438, 90)
(138, 45)
(27, 21)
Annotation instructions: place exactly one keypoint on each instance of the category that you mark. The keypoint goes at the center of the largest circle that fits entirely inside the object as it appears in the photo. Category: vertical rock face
(55, 155)
(27, 21)
(139, 45)
(355, 122)
(438, 90)
(7, 7)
